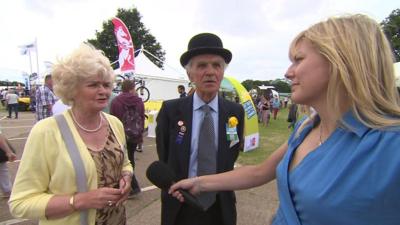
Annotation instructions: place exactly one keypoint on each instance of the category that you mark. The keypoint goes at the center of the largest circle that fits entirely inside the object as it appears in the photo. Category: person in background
(259, 110)
(3, 96)
(112, 96)
(32, 98)
(45, 186)
(285, 101)
(292, 115)
(275, 104)
(330, 170)
(12, 103)
(5, 182)
(265, 110)
(45, 99)
(129, 108)
(201, 134)
(181, 91)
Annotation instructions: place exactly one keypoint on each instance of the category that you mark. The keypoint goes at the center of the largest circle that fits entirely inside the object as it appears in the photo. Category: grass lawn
(271, 138)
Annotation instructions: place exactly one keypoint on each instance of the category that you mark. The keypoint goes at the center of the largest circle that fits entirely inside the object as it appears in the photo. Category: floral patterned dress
(109, 163)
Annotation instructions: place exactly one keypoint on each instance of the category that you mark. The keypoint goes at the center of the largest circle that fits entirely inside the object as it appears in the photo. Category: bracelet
(72, 201)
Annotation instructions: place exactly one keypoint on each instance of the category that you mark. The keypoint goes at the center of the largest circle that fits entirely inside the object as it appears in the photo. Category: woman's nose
(289, 73)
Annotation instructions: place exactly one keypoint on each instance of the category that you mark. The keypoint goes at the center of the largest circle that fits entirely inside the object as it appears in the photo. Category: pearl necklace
(85, 129)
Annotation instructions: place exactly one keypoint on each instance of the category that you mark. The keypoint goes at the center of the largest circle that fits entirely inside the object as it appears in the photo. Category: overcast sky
(258, 32)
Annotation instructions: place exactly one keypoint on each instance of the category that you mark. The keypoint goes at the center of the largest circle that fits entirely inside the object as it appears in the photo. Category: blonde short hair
(83, 63)
(361, 67)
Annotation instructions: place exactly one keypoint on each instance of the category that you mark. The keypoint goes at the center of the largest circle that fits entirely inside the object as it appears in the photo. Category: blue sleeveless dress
(353, 178)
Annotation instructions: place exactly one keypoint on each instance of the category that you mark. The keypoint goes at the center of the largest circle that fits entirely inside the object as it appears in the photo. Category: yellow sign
(251, 135)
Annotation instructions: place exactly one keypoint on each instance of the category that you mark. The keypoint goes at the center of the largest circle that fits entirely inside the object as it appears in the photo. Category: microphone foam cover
(160, 174)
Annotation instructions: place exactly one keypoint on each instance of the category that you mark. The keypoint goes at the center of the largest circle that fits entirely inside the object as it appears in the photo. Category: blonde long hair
(361, 67)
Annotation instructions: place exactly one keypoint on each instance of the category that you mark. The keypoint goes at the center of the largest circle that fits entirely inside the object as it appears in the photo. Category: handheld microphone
(161, 175)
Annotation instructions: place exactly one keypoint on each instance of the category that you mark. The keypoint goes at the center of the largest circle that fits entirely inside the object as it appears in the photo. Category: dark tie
(207, 154)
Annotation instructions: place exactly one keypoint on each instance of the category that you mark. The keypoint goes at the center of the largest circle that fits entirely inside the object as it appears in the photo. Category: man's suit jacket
(173, 148)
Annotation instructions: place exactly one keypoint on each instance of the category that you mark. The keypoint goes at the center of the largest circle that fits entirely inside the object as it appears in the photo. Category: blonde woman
(342, 164)
(45, 186)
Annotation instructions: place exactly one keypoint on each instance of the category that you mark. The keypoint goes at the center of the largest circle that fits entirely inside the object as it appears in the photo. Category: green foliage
(11, 83)
(105, 39)
(391, 27)
(281, 85)
(271, 138)
(252, 84)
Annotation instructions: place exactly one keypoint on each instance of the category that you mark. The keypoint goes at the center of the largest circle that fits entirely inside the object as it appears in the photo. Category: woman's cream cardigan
(46, 170)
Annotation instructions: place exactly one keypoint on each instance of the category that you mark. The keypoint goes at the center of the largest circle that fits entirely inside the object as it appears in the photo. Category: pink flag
(126, 58)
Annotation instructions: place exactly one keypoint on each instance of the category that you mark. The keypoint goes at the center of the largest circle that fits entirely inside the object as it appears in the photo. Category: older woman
(45, 186)
(341, 165)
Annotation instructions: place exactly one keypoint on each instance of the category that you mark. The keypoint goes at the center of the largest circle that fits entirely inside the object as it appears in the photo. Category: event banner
(126, 58)
(251, 134)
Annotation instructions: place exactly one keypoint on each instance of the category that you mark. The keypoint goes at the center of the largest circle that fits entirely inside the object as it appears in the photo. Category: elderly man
(201, 134)
(45, 99)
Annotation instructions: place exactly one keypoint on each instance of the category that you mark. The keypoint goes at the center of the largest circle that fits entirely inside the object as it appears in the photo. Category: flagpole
(37, 57)
(30, 60)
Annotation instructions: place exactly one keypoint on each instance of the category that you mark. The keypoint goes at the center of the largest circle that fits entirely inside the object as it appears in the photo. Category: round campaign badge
(183, 129)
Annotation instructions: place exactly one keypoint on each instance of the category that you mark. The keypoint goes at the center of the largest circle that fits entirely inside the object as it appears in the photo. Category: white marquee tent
(162, 84)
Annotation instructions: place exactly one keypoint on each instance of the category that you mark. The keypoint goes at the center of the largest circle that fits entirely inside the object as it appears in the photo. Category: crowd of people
(41, 99)
(78, 166)
(270, 104)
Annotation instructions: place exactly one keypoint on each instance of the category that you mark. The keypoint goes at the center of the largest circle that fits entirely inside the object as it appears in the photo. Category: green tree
(391, 27)
(281, 85)
(105, 39)
(253, 84)
(248, 84)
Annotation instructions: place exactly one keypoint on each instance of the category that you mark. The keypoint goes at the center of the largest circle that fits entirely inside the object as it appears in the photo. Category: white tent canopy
(162, 84)
(272, 88)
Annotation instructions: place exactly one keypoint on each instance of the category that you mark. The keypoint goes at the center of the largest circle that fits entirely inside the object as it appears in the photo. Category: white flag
(28, 47)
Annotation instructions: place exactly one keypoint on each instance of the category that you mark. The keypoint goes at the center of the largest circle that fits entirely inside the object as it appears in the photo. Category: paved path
(255, 206)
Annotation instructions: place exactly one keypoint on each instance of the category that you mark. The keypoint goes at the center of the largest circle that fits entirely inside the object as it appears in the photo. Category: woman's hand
(125, 188)
(98, 199)
(191, 184)
(60, 205)
(11, 156)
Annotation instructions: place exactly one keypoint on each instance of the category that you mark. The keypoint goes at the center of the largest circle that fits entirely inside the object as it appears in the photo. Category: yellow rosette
(233, 121)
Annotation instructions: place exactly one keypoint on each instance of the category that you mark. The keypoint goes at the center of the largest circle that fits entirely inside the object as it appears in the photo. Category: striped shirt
(44, 98)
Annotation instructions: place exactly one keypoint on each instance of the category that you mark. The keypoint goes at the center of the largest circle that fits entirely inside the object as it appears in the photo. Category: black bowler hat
(205, 43)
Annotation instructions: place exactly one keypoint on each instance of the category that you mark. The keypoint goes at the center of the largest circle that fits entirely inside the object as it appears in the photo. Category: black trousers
(190, 216)
(13, 107)
(131, 148)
